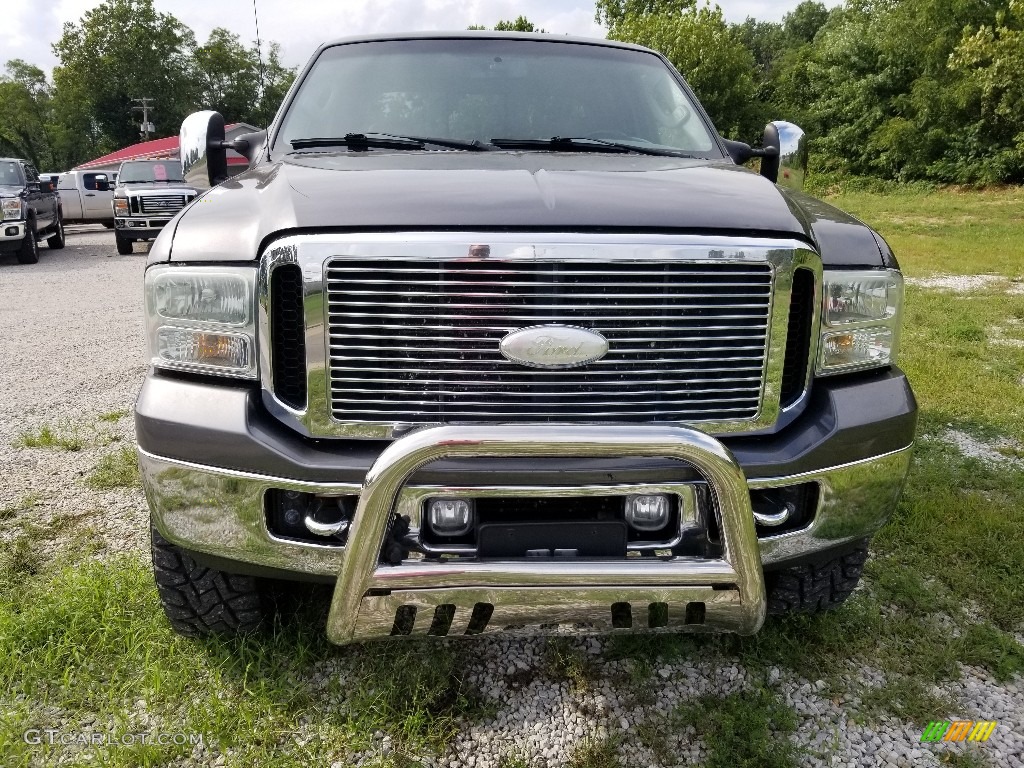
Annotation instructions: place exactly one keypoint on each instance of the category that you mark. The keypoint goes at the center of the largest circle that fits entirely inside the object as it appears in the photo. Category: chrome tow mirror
(204, 158)
(790, 165)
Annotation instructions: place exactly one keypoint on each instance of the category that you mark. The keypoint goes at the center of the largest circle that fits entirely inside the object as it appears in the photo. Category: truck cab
(85, 197)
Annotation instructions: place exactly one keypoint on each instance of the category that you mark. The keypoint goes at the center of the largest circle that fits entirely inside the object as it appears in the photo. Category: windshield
(150, 170)
(484, 89)
(10, 173)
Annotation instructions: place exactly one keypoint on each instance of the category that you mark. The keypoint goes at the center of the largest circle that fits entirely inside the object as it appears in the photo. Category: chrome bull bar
(373, 599)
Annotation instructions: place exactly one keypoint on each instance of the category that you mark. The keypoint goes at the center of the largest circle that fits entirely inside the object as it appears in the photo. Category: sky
(30, 27)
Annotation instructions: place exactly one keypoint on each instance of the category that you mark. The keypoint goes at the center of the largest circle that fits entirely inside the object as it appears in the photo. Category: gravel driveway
(71, 358)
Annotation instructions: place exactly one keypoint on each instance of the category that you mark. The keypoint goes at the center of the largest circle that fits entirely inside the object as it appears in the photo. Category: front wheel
(56, 240)
(29, 251)
(124, 245)
(201, 601)
(815, 588)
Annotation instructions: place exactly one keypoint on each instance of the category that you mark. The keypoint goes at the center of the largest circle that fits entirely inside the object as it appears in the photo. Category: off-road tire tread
(816, 588)
(203, 602)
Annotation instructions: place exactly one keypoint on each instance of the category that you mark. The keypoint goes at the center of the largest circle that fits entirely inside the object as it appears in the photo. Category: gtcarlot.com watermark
(55, 737)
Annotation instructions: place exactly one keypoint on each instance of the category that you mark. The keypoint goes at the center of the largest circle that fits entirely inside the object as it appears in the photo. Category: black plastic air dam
(226, 426)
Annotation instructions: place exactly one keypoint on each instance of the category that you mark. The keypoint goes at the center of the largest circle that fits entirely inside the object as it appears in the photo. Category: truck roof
(483, 34)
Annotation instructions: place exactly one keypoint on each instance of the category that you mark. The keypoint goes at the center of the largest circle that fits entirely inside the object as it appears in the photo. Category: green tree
(613, 13)
(709, 55)
(521, 24)
(275, 82)
(228, 76)
(119, 51)
(991, 58)
(25, 114)
(802, 23)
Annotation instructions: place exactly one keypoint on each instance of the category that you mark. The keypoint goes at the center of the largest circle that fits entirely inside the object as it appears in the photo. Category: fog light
(647, 512)
(450, 517)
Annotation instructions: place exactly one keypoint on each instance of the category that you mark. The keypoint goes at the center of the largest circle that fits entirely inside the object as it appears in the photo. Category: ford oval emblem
(554, 346)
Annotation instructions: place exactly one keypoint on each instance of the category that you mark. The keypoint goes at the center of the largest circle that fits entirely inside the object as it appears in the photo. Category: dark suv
(498, 331)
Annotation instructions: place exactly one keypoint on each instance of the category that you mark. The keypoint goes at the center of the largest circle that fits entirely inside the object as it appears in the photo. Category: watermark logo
(959, 730)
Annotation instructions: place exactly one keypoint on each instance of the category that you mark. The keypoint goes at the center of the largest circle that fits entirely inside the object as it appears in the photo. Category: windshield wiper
(583, 144)
(386, 141)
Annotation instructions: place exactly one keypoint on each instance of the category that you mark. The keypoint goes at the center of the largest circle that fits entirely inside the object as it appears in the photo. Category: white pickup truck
(86, 197)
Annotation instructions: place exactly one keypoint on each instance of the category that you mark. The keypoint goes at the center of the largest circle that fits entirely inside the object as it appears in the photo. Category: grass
(749, 729)
(119, 469)
(946, 231)
(112, 417)
(909, 699)
(64, 437)
(84, 643)
(596, 753)
(564, 660)
(23, 504)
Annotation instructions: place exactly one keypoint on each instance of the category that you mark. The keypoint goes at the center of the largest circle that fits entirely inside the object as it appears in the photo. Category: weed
(119, 469)
(564, 660)
(749, 729)
(114, 416)
(513, 760)
(19, 559)
(25, 503)
(908, 699)
(967, 759)
(594, 753)
(62, 438)
(654, 733)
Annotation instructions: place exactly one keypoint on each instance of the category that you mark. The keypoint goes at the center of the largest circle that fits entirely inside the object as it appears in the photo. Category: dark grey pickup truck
(31, 211)
(498, 331)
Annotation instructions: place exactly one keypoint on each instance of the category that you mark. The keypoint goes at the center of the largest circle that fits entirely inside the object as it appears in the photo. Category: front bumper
(12, 232)
(215, 508)
(141, 227)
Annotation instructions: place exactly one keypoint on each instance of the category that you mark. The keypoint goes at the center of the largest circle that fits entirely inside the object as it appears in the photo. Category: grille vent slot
(798, 336)
(288, 337)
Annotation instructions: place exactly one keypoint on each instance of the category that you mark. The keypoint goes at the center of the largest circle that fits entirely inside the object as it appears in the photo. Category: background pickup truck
(147, 196)
(497, 330)
(31, 211)
(86, 196)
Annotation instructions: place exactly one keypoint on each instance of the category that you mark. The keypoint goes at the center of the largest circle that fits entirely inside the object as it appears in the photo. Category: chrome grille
(162, 203)
(416, 341)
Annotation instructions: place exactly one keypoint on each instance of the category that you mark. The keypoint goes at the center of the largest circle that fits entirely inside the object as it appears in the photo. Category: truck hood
(538, 191)
(10, 190)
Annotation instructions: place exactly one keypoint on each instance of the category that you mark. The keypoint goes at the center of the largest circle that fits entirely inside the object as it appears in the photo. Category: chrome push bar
(450, 597)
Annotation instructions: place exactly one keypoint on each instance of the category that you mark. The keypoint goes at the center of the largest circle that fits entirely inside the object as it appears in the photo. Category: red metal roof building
(162, 149)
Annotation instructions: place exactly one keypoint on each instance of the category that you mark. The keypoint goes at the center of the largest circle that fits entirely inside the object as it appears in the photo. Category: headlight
(121, 206)
(860, 320)
(12, 208)
(202, 319)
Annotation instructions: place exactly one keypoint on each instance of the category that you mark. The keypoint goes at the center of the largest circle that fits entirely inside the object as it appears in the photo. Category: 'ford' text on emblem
(554, 346)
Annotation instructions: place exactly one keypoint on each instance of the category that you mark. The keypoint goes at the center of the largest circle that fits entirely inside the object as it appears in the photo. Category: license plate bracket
(605, 538)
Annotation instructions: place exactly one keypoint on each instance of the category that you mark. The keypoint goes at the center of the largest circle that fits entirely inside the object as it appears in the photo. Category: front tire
(815, 588)
(124, 245)
(28, 253)
(201, 601)
(56, 240)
